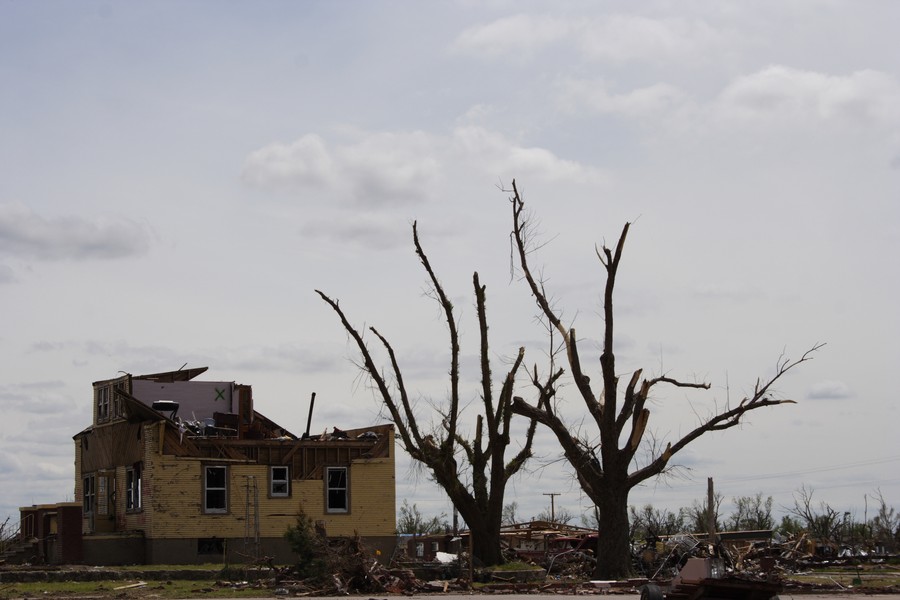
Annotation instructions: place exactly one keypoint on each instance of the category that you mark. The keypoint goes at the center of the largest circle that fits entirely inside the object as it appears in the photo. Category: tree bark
(613, 541)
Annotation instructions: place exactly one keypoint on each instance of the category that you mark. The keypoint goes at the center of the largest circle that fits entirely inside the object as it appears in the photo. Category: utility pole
(710, 514)
(553, 496)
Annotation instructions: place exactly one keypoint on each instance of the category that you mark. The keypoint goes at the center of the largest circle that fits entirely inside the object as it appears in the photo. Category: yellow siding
(372, 500)
(174, 495)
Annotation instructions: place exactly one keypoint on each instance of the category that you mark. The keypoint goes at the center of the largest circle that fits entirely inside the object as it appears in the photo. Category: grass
(514, 566)
(153, 589)
(215, 585)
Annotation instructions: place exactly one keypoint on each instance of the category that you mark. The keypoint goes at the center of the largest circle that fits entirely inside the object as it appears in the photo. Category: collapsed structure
(179, 471)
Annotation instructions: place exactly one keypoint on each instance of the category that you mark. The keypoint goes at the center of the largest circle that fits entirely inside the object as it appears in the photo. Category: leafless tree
(886, 525)
(697, 517)
(621, 420)
(648, 523)
(477, 488)
(752, 513)
(556, 515)
(822, 522)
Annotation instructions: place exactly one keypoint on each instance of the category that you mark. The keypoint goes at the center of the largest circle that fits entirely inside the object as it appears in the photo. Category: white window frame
(337, 489)
(103, 403)
(89, 494)
(279, 486)
(133, 478)
(223, 489)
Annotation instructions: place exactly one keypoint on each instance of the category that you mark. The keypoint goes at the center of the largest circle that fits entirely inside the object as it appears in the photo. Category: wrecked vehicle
(707, 578)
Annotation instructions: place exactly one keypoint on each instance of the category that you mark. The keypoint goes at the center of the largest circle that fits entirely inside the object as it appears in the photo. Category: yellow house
(224, 484)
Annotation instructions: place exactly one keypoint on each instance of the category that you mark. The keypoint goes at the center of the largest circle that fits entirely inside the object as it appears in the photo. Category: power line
(864, 463)
(850, 465)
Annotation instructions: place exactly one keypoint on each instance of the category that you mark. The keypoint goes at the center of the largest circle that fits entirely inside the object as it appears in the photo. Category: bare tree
(648, 523)
(621, 422)
(510, 513)
(822, 522)
(697, 517)
(752, 513)
(886, 525)
(410, 520)
(556, 515)
(480, 501)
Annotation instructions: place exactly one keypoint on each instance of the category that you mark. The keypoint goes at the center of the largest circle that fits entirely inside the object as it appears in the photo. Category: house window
(279, 482)
(133, 488)
(88, 495)
(211, 546)
(117, 410)
(336, 490)
(215, 489)
(102, 403)
(102, 496)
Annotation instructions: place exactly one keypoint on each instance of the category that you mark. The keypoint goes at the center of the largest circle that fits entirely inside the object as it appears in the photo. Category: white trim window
(133, 488)
(336, 490)
(88, 494)
(215, 489)
(279, 481)
(103, 403)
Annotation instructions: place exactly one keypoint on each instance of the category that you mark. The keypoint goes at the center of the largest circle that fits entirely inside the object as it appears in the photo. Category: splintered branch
(570, 343)
(405, 422)
(447, 307)
(727, 418)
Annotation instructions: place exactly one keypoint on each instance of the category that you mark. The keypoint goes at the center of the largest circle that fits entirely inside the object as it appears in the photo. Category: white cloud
(513, 35)
(495, 155)
(6, 274)
(653, 101)
(379, 168)
(621, 38)
(830, 390)
(784, 94)
(26, 234)
(729, 291)
(385, 168)
(304, 162)
(611, 38)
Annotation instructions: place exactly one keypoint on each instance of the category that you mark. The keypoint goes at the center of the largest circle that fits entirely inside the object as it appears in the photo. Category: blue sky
(178, 177)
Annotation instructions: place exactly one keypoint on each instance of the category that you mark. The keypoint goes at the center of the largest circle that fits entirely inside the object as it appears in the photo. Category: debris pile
(346, 567)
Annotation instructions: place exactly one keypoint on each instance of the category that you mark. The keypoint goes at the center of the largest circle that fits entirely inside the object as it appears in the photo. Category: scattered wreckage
(706, 577)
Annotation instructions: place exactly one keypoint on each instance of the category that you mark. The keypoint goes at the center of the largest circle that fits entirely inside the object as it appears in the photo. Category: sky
(178, 178)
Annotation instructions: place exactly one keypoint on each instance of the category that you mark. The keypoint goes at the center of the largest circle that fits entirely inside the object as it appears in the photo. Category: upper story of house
(202, 408)
(210, 419)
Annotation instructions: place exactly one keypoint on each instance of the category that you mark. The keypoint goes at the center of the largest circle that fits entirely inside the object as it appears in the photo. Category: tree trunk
(614, 540)
(486, 546)
(484, 534)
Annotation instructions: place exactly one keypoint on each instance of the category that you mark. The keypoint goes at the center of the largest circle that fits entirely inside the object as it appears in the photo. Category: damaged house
(178, 471)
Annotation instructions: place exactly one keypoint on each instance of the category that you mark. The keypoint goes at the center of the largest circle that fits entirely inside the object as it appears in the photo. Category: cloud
(387, 168)
(611, 38)
(6, 274)
(42, 398)
(373, 232)
(515, 35)
(830, 390)
(495, 155)
(26, 234)
(380, 168)
(655, 100)
(730, 291)
(305, 162)
(783, 93)
(621, 38)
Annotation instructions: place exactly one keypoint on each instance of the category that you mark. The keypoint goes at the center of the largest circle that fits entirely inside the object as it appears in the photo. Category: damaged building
(177, 471)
